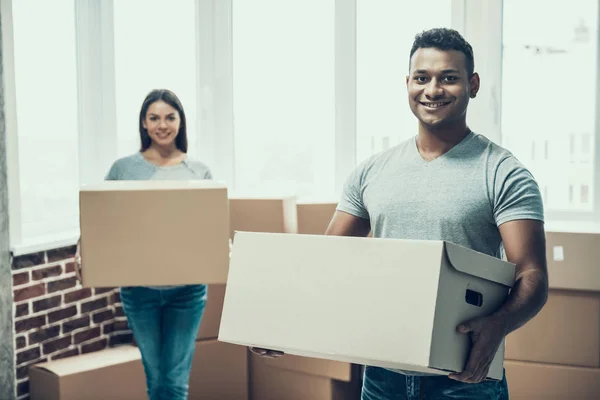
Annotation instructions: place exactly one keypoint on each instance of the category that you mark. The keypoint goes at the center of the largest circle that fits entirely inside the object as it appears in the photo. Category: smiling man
(449, 183)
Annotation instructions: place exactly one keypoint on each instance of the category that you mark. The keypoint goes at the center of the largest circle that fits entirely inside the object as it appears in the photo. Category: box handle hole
(474, 298)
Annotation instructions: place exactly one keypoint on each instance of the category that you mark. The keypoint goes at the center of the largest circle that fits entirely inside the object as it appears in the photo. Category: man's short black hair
(444, 39)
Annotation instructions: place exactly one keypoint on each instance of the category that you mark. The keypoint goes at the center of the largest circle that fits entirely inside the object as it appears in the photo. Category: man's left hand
(486, 336)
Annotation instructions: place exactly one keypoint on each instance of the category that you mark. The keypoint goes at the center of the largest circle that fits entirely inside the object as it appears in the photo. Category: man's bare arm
(525, 245)
(344, 224)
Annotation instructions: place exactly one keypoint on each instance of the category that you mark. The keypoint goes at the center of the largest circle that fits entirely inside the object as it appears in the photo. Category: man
(449, 183)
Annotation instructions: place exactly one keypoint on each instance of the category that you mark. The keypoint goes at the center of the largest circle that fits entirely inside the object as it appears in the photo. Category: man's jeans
(165, 324)
(382, 384)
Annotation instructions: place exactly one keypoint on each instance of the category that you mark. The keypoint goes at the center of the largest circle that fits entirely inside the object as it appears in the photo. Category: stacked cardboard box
(300, 378)
(556, 355)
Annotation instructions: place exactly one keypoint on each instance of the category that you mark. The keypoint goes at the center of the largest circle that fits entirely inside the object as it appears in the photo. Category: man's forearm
(526, 299)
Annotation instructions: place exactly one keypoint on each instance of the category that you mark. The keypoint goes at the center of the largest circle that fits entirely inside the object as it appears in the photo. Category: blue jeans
(165, 325)
(382, 384)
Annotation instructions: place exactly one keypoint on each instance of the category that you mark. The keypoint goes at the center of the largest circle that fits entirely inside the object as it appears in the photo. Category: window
(45, 82)
(544, 101)
(155, 47)
(385, 33)
(284, 102)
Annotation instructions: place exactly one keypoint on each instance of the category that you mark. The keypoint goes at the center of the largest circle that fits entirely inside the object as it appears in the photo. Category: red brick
(22, 310)
(22, 372)
(20, 342)
(30, 323)
(119, 311)
(69, 267)
(94, 346)
(42, 335)
(108, 328)
(103, 290)
(27, 260)
(78, 295)
(28, 355)
(61, 254)
(46, 304)
(29, 292)
(66, 354)
(86, 335)
(77, 323)
(47, 272)
(23, 388)
(103, 316)
(21, 278)
(62, 314)
(59, 344)
(117, 340)
(121, 325)
(94, 305)
(116, 297)
(62, 284)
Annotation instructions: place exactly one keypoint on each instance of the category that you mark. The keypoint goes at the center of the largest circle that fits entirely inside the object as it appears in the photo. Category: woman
(164, 320)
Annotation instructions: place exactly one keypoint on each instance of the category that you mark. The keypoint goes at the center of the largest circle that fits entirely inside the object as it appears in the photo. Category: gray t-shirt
(136, 167)
(462, 196)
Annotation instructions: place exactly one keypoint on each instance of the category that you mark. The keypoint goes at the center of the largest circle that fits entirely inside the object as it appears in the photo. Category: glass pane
(284, 99)
(549, 84)
(46, 95)
(154, 49)
(385, 33)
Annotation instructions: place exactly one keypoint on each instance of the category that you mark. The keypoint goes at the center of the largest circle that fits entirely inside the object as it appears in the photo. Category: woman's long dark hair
(171, 99)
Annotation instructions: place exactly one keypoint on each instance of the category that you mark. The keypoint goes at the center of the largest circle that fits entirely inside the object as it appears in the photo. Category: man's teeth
(434, 105)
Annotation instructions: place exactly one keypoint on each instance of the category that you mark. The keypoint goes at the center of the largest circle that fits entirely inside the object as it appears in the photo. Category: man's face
(439, 86)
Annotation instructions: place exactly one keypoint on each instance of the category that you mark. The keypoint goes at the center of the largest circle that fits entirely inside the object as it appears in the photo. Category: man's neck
(433, 143)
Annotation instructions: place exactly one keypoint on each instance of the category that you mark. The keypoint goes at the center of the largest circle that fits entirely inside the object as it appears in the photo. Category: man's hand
(266, 353)
(486, 336)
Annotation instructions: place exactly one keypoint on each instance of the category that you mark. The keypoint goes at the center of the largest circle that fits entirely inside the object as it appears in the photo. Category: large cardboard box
(573, 260)
(277, 214)
(271, 383)
(384, 302)
(108, 374)
(219, 372)
(314, 218)
(531, 381)
(566, 331)
(211, 319)
(139, 233)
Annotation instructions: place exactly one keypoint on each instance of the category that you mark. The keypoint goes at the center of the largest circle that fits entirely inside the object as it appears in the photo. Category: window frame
(479, 22)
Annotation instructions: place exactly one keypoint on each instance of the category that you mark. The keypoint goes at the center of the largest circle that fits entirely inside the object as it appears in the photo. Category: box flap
(481, 265)
(91, 361)
(152, 185)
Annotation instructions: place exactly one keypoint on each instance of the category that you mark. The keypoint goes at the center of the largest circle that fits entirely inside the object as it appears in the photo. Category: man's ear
(475, 82)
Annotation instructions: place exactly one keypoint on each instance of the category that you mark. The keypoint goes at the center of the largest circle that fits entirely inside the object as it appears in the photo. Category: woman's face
(162, 123)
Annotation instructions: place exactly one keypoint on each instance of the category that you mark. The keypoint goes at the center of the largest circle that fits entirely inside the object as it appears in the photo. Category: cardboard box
(278, 215)
(139, 233)
(115, 373)
(211, 319)
(337, 370)
(384, 302)
(219, 372)
(573, 260)
(566, 331)
(314, 218)
(531, 381)
(272, 383)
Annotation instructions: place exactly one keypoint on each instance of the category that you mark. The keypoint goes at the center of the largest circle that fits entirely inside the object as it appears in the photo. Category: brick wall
(55, 317)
